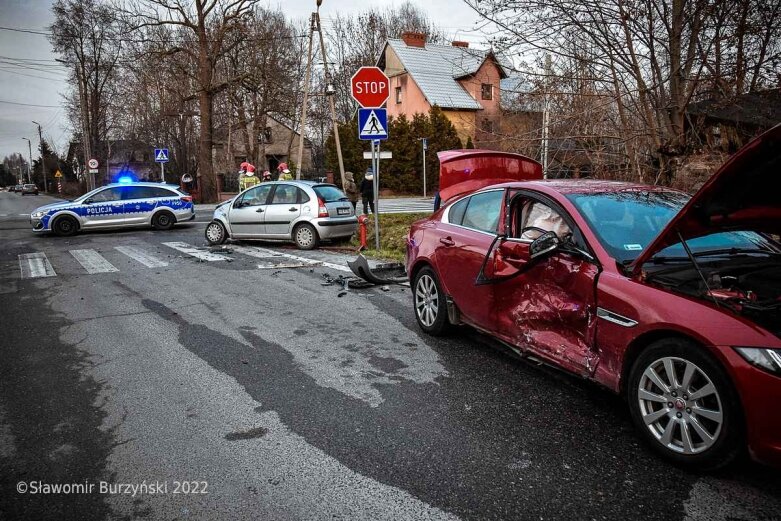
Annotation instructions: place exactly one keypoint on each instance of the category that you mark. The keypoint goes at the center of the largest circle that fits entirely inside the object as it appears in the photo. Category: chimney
(414, 39)
(456, 43)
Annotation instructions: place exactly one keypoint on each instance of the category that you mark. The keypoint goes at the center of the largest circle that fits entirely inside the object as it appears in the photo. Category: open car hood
(465, 171)
(743, 195)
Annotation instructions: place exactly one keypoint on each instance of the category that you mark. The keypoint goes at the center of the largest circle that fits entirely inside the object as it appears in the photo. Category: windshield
(329, 193)
(626, 222)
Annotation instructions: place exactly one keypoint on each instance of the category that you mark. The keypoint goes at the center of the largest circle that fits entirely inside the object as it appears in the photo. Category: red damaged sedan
(674, 301)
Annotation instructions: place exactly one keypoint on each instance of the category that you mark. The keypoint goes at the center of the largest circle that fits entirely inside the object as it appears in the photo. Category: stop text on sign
(370, 87)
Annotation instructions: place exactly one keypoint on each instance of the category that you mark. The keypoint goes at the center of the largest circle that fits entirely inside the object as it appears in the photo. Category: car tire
(216, 233)
(694, 416)
(429, 303)
(65, 226)
(163, 221)
(305, 237)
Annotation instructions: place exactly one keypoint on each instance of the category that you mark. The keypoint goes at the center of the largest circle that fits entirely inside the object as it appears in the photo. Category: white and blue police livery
(116, 205)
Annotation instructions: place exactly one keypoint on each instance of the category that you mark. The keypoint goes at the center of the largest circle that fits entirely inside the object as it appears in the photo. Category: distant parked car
(117, 206)
(29, 189)
(302, 211)
(18, 188)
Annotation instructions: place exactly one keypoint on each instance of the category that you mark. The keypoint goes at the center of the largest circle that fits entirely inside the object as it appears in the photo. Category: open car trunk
(464, 171)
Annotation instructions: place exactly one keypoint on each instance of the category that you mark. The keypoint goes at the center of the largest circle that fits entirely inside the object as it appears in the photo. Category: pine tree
(469, 143)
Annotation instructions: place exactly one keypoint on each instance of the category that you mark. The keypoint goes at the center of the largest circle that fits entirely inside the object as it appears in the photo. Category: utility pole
(43, 163)
(307, 81)
(30, 165)
(546, 118)
(330, 94)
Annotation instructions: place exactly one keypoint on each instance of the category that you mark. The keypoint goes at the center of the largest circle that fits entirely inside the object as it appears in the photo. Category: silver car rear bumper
(329, 228)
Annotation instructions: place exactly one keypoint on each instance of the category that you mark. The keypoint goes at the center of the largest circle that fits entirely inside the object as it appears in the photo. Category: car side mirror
(544, 244)
(505, 259)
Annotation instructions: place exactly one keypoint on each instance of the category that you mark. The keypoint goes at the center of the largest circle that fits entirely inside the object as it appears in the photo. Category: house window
(265, 136)
(398, 94)
(488, 126)
(488, 91)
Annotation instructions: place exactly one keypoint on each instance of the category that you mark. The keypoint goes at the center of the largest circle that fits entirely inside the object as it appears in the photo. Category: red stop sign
(370, 87)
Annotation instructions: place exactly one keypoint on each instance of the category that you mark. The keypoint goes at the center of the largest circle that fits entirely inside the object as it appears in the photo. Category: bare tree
(656, 56)
(210, 24)
(86, 34)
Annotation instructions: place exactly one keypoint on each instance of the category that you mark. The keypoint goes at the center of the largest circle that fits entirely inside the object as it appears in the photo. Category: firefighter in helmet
(284, 172)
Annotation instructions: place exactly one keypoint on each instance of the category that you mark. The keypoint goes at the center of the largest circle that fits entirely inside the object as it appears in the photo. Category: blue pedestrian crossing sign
(161, 155)
(372, 124)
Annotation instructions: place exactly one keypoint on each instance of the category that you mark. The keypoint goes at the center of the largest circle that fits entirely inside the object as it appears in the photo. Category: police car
(116, 205)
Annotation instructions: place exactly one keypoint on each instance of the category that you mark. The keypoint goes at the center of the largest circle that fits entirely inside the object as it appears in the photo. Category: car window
(107, 195)
(285, 194)
(329, 193)
(147, 192)
(256, 196)
(482, 212)
(456, 213)
(303, 196)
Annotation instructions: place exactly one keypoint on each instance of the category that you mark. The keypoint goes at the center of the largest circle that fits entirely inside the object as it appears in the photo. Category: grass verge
(394, 228)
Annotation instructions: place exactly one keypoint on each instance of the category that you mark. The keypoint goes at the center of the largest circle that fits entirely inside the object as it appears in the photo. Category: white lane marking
(93, 261)
(141, 256)
(195, 252)
(255, 251)
(33, 265)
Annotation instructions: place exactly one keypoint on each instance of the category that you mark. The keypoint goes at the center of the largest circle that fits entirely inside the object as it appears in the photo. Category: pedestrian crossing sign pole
(373, 126)
(161, 156)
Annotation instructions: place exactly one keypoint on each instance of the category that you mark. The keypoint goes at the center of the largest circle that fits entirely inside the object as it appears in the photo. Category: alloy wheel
(426, 300)
(680, 405)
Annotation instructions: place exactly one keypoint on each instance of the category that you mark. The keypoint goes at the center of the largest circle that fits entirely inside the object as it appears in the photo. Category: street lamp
(30, 165)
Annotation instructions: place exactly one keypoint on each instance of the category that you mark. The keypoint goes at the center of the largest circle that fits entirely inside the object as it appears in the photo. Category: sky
(39, 80)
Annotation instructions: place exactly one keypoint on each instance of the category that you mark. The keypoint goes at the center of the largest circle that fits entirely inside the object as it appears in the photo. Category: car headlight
(767, 359)
(37, 215)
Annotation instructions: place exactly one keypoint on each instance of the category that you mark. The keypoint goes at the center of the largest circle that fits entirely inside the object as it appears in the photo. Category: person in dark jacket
(367, 191)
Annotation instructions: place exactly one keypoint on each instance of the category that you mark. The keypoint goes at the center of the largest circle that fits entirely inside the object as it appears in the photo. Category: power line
(30, 104)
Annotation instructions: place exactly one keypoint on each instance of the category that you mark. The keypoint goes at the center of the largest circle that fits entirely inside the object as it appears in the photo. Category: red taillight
(322, 211)
(186, 199)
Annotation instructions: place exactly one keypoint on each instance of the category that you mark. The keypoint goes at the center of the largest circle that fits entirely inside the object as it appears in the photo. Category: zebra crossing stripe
(141, 256)
(34, 265)
(195, 252)
(255, 251)
(93, 261)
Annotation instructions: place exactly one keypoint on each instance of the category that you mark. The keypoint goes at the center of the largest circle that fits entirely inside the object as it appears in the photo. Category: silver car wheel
(214, 232)
(304, 236)
(680, 405)
(426, 300)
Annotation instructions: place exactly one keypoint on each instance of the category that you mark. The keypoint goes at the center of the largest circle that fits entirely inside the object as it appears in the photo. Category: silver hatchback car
(116, 206)
(302, 211)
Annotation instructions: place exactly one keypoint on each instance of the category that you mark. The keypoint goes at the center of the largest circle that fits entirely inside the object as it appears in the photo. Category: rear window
(29, 186)
(329, 193)
(482, 212)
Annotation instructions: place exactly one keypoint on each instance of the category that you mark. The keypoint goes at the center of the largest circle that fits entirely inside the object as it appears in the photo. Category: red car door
(549, 307)
(464, 237)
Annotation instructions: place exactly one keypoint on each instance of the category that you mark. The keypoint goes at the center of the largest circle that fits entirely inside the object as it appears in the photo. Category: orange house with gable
(463, 82)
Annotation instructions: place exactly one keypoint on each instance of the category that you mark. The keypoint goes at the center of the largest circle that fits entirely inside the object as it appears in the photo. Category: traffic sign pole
(162, 172)
(376, 168)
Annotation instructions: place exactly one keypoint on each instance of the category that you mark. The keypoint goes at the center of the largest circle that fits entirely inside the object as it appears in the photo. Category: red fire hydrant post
(362, 220)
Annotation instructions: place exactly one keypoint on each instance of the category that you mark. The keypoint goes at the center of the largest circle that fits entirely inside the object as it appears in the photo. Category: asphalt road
(152, 366)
